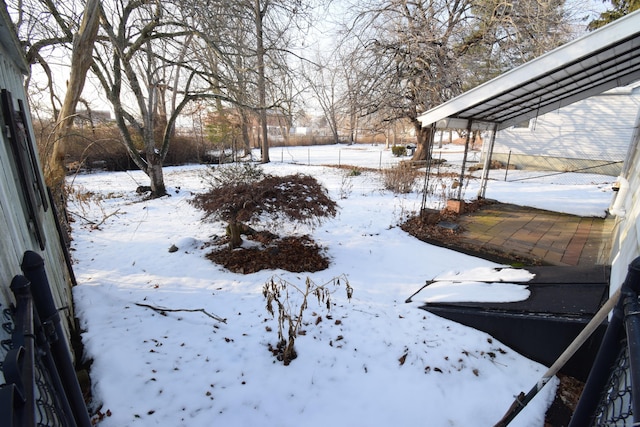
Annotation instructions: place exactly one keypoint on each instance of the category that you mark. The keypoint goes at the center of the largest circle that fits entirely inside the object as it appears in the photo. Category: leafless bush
(346, 185)
(401, 178)
(279, 292)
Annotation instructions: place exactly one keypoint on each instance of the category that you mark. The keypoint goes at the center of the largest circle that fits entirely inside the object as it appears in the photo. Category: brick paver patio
(546, 237)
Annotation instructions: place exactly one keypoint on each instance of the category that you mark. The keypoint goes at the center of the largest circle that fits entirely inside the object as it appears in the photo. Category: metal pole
(427, 171)
(464, 159)
(487, 164)
(508, 163)
(23, 353)
(632, 325)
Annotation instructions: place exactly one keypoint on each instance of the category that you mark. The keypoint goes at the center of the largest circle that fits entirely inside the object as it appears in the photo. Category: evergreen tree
(618, 10)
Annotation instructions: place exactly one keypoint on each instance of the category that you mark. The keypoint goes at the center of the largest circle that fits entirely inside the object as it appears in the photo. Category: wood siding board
(16, 236)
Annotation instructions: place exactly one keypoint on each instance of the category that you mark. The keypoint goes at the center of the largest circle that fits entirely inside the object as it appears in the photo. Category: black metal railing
(40, 386)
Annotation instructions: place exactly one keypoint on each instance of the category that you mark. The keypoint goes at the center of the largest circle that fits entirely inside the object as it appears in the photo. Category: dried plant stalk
(277, 293)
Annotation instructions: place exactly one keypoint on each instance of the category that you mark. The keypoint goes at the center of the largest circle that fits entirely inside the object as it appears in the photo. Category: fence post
(33, 268)
(632, 325)
(506, 172)
(23, 354)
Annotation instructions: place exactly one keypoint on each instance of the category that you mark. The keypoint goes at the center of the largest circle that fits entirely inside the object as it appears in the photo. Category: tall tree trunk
(81, 60)
(353, 123)
(334, 133)
(262, 89)
(154, 160)
(244, 128)
(156, 176)
(424, 137)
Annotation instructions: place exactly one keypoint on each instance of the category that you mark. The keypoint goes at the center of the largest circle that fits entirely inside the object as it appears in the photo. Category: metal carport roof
(606, 58)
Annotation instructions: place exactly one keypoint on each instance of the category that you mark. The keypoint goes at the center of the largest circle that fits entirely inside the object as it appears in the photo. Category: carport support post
(464, 158)
(427, 172)
(487, 163)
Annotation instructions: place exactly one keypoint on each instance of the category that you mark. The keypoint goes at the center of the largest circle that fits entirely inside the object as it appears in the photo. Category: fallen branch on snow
(163, 310)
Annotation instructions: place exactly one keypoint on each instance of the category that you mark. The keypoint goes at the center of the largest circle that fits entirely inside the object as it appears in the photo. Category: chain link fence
(615, 405)
(356, 155)
(554, 170)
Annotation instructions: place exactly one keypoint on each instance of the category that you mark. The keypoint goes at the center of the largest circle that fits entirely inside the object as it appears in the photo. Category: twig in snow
(95, 226)
(163, 310)
(88, 221)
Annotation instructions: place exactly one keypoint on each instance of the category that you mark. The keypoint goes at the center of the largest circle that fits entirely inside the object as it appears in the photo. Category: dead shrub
(283, 294)
(400, 179)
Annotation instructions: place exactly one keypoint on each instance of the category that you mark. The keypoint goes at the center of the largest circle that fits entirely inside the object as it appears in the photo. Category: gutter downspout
(621, 188)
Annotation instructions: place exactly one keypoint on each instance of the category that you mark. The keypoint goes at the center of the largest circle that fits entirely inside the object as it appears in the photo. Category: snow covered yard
(373, 360)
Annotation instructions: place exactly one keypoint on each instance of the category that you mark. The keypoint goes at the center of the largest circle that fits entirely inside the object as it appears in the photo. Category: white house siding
(626, 241)
(16, 234)
(589, 133)
(11, 79)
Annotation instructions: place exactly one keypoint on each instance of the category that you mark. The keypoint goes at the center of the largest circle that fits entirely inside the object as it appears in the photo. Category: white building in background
(591, 135)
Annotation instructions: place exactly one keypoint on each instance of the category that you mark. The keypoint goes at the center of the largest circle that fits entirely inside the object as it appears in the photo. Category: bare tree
(427, 46)
(228, 54)
(47, 27)
(323, 81)
(81, 60)
(248, 49)
(364, 77)
(507, 34)
(273, 19)
(146, 64)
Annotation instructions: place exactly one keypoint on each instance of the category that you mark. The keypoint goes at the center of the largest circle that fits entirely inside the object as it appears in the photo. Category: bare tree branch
(164, 310)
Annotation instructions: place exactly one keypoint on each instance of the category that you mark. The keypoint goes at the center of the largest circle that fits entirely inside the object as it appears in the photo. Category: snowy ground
(373, 360)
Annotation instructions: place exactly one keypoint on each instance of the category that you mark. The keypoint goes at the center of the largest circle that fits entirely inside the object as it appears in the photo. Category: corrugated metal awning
(604, 59)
